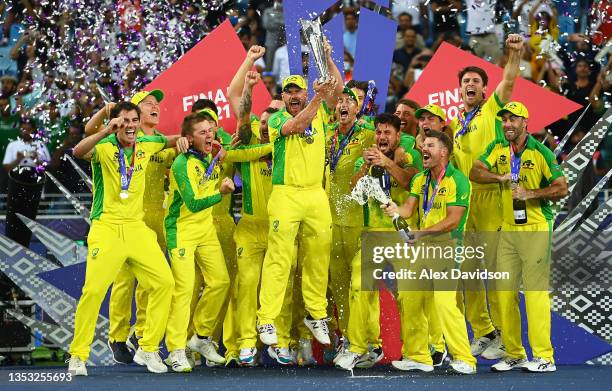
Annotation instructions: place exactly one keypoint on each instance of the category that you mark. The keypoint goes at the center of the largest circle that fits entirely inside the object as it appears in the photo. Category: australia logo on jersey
(140, 154)
(503, 159)
(442, 191)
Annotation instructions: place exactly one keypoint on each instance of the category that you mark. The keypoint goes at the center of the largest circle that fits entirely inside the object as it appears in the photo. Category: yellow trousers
(524, 252)
(416, 300)
(483, 224)
(251, 238)
(291, 209)
(345, 244)
(120, 304)
(209, 258)
(111, 246)
(298, 328)
(364, 321)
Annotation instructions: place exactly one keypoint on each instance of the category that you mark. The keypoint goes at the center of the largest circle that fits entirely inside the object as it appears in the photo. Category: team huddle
(290, 270)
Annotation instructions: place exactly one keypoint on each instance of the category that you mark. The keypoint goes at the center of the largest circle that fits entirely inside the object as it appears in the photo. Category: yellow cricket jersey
(538, 169)
(188, 219)
(295, 161)
(482, 130)
(345, 212)
(256, 168)
(107, 205)
(373, 215)
(223, 208)
(156, 174)
(454, 190)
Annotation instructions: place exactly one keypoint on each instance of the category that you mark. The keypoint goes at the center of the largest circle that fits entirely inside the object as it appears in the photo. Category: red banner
(439, 84)
(205, 72)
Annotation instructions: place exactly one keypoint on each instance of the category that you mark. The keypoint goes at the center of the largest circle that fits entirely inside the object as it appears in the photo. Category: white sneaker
(178, 361)
(304, 355)
(461, 368)
(190, 358)
(407, 364)
(347, 360)
(77, 367)
(281, 355)
(342, 347)
(481, 344)
(248, 357)
(508, 364)
(495, 351)
(540, 365)
(319, 329)
(371, 358)
(206, 347)
(151, 360)
(267, 334)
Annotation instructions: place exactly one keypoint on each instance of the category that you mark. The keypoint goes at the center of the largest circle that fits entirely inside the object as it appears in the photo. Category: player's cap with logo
(351, 94)
(294, 80)
(141, 95)
(433, 109)
(516, 108)
(211, 113)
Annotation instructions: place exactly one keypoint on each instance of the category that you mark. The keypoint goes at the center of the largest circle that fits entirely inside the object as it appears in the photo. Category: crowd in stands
(58, 66)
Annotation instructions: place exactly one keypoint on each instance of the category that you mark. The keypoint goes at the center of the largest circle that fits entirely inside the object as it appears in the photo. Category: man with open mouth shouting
(119, 165)
(298, 201)
(474, 128)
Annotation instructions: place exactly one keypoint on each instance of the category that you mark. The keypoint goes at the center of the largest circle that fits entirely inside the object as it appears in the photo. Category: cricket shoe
(248, 357)
(459, 367)
(347, 360)
(343, 345)
(206, 347)
(133, 343)
(281, 355)
(76, 366)
(406, 364)
(438, 358)
(540, 365)
(267, 334)
(318, 328)
(371, 358)
(177, 360)
(508, 364)
(479, 345)
(120, 352)
(151, 360)
(190, 359)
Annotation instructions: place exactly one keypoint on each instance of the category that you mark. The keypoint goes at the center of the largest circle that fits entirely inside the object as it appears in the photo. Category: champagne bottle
(519, 208)
(400, 225)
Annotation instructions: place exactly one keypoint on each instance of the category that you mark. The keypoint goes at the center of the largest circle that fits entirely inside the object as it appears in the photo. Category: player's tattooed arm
(244, 109)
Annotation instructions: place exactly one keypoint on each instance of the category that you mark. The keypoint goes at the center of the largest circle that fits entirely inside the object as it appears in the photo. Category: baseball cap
(296, 80)
(433, 109)
(352, 94)
(211, 113)
(141, 95)
(515, 108)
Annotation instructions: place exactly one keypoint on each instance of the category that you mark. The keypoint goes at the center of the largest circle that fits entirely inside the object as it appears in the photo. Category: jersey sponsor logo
(140, 154)
(156, 159)
(528, 164)
(503, 159)
(441, 191)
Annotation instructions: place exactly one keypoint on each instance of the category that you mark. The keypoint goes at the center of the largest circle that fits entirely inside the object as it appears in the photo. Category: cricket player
(476, 126)
(441, 196)
(527, 171)
(363, 329)
(298, 200)
(120, 306)
(119, 162)
(346, 143)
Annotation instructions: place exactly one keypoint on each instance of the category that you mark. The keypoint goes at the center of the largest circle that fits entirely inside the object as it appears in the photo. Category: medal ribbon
(124, 174)
(428, 204)
(335, 156)
(210, 166)
(515, 165)
(465, 123)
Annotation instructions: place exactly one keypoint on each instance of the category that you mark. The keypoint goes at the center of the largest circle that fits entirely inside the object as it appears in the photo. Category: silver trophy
(314, 37)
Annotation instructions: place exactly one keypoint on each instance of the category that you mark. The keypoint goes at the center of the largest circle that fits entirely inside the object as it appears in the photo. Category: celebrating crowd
(289, 272)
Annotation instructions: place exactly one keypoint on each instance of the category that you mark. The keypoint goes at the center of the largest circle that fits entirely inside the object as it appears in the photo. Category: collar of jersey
(206, 160)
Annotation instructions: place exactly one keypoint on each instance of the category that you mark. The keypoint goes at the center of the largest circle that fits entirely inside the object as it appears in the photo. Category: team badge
(94, 252)
(275, 225)
(239, 251)
(181, 252)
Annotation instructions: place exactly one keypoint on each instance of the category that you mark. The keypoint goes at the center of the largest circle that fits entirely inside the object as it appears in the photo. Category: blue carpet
(134, 378)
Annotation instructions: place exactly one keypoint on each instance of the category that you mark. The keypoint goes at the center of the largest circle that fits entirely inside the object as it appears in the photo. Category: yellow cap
(296, 80)
(141, 95)
(433, 109)
(211, 113)
(351, 94)
(515, 108)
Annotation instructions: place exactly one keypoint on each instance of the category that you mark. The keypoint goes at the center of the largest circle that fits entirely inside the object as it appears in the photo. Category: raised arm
(300, 122)
(84, 149)
(333, 96)
(236, 86)
(244, 110)
(97, 120)
(511, 71)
